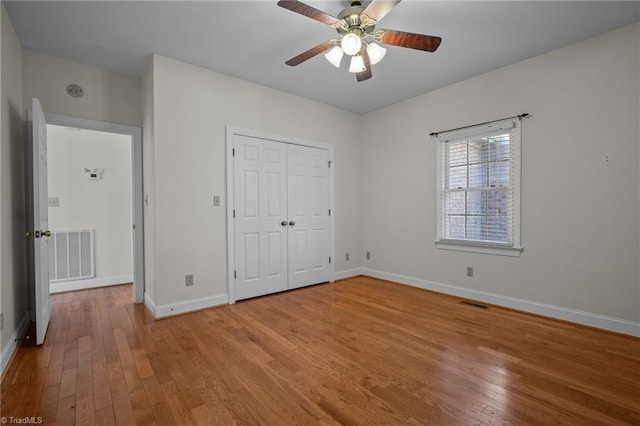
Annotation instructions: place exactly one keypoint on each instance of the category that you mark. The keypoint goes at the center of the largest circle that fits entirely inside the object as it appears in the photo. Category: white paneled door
(40, 233)
(308, 212)
(281, 223)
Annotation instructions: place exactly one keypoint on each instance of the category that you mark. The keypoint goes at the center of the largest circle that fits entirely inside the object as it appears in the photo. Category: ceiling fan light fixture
(351, 44)
(376, 52)
(357, 64)
(334, 56)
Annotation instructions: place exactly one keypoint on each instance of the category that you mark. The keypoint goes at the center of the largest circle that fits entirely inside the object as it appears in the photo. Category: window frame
(481, 130)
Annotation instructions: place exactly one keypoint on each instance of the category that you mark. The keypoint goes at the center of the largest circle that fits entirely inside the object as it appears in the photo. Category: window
(479, 188)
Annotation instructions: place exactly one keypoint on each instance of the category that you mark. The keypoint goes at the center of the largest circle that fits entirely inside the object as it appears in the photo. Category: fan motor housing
(353, 22)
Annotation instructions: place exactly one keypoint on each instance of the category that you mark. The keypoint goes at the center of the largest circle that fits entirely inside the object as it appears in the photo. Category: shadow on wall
(18, 222)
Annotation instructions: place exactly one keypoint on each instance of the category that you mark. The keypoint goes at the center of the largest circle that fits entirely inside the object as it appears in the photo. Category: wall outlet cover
(188, 280)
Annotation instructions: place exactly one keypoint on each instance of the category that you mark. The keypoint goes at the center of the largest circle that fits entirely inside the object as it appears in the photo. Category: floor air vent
(475, 305)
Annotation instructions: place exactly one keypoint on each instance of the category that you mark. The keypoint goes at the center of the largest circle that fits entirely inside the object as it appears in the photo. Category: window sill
(479, 248)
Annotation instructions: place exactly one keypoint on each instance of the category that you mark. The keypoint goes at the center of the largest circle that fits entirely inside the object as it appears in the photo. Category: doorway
(116, 249)
(90, 206)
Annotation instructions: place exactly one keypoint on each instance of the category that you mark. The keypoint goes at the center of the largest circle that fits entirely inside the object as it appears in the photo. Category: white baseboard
(567, 314)
(347, 274)
(12, 344)
(166, 310)
(60, 287)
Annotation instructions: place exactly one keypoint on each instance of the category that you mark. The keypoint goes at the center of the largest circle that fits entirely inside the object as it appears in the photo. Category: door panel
(38, 132)
(260, 207)
(308, 207)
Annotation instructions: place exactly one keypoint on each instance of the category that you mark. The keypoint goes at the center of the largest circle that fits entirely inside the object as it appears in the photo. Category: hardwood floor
(359, 351)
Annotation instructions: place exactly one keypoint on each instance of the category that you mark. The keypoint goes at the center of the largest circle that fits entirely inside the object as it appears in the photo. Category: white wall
(108, 96)
(12, 208)
(580, 221)
(104, 205)
(189, 160)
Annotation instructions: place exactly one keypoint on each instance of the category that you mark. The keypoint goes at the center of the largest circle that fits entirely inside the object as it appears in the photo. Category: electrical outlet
(346, 257)
(470, 271)
(216, 200)
(368, 255)
(188, 280)
(54, 202)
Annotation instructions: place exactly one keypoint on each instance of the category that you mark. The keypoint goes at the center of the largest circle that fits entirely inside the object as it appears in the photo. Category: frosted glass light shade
(357, 64)
(376, 53)
(351, 44)
(334, 56)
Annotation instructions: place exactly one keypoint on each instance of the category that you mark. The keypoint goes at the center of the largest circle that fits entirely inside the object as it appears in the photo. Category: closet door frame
(232, 131)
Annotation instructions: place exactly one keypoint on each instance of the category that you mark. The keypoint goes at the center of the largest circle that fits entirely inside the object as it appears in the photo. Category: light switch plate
(54, 202)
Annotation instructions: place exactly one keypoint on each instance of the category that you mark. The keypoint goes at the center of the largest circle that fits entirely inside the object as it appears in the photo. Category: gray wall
(580, 212)
(12, 214)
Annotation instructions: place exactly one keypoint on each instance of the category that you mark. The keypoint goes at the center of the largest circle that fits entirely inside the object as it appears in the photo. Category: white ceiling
(252, 39)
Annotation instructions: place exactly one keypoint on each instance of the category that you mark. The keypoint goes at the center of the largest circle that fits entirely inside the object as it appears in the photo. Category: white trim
(12, 344)
(149, 303)
(231, 132)
(479, 248)
(138, 209)
(605, 322)
(185, 306)
(231, 257)
(59, 287)
(349, 273)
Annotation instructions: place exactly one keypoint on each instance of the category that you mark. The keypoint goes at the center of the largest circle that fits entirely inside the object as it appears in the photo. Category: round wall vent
(75, 91)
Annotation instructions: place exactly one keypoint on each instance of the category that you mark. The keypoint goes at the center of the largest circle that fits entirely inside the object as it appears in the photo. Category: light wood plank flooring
(360, 351)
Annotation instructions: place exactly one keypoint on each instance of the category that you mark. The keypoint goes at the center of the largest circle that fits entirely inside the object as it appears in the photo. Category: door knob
(292, 223)
(284, 223)
(46, 233)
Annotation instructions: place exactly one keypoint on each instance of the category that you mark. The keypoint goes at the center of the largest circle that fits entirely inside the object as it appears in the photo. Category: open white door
(40, 228)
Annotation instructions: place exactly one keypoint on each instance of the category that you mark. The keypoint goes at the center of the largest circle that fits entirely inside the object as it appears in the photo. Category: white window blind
(479, 192)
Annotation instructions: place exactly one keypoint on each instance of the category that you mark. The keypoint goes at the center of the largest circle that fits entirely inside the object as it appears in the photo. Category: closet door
(308, 212)
(260, 194)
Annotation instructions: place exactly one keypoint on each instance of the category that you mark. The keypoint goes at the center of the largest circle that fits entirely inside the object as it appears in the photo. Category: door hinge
(329, 259)
(329, 212)
(235, 275)
(233, 152)
(234, 213)
(330, 163)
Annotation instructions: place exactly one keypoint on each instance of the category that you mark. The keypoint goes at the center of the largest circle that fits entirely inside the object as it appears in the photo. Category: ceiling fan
(357, 35)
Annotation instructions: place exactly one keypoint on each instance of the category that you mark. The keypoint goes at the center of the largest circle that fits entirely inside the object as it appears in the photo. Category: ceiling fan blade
(310, 12)
(314, 51)
(366, 74)
(377, 9)
(410, 40)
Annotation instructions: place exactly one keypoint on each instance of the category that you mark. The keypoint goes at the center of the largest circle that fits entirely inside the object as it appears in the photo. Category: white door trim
(136, 157)
(231, 132)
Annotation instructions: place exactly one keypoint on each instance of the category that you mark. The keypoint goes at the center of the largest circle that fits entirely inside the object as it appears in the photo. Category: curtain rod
(520, 116)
